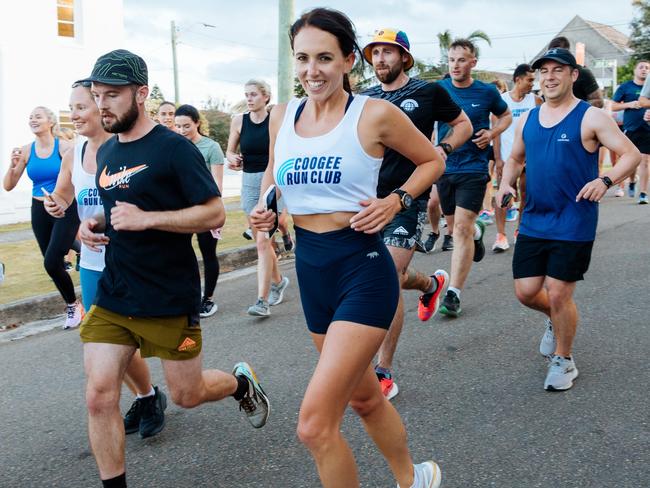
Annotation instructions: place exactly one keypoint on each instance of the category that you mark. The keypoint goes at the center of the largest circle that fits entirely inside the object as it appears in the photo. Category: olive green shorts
(176, 338)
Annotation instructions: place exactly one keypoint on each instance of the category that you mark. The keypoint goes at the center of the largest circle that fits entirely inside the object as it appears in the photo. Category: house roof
(620, 40)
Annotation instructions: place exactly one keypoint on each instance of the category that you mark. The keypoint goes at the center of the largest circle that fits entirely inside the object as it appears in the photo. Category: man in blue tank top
(462, 188)
(636, 128)
(559, 143)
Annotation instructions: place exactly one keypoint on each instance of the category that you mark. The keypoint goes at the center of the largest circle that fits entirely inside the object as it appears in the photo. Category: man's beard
(124, 123)
(388, 78)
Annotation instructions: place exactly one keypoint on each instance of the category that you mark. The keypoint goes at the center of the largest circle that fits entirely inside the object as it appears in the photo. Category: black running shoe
(430, 244)
(132, 418)
(208, 307)
(152, 413)
(247, 234)
(479, 247)
(450, 305)
(448, 243)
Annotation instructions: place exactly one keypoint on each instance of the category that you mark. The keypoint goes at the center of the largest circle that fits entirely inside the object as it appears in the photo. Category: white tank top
(88, 205)
(517, 109)
(328, 173)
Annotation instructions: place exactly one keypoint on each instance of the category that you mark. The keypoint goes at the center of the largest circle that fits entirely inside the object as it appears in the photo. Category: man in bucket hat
(156, 192)
(424, 103)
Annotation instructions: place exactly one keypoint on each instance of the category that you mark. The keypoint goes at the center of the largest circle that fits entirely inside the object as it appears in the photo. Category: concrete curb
(47, 306)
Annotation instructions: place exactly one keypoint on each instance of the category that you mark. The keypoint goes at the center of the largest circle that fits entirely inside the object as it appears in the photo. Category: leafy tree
(640, 35)
(445, 40)
(626, 72)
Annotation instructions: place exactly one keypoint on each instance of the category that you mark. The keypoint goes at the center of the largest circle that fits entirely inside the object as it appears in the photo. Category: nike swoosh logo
(109, 181)
(476, 105)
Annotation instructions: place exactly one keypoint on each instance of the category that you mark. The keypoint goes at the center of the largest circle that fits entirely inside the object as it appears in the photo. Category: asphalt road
(471, 390)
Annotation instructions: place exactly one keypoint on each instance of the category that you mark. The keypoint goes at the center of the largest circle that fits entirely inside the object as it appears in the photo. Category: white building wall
(37, 68)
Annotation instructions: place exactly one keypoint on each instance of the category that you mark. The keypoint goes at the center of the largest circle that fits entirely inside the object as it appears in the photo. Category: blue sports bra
(43, 171)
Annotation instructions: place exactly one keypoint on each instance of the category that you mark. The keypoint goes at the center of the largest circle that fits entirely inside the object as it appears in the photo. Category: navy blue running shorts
(345, 275)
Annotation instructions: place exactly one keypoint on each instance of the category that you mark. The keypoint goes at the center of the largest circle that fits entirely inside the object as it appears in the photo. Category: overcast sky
(216, 61)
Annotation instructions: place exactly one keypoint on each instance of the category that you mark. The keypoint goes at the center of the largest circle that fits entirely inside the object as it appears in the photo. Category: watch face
(408, 200)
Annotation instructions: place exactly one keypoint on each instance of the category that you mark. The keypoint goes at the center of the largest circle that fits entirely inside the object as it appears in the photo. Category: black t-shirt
(585, 85)
(424, 103)
(152, 272)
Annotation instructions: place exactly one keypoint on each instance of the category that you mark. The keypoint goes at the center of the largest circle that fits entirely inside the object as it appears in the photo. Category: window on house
(65, 17)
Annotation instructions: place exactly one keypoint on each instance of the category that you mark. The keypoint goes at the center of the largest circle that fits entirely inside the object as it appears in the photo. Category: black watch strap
(446, 147)
(608, 182)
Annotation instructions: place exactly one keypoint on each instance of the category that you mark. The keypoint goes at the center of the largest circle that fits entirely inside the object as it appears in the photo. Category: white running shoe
(427, 475)
(561, 373)
(277, 291)
(548, 343)
(74, 314)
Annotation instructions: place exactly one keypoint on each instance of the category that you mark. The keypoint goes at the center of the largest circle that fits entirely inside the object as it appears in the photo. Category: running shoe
(428, 475)
(255, 403)
(485, 217)
(561, 373)
(388, 386)
(132, 418)
(259, 309)
(631, 190)
(448, 243)
(430, 243)
(288, 242)
(248, 234)
(512, 214)
(643, 199)
(479, 247)
(152, 414)
(442, 223)
(429, 302)
(277, 291)
(74, 314)
(548, 343)
(208, 307)
(619, 192)
(419, 247)
(450, 305)
(500, 244)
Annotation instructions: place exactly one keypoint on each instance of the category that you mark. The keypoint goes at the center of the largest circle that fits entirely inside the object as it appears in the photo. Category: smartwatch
(608, 182)
(446, 147)
(405, 199)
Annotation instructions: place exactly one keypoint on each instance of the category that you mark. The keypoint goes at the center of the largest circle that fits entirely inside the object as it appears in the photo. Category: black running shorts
(641, 139)
(563, 260)
(464, 190)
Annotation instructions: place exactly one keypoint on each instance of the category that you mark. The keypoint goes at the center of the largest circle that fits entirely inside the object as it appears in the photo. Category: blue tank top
(43, 171)
(557, 167)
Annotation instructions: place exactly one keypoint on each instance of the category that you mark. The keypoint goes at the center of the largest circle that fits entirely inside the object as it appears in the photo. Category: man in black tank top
(424, 103)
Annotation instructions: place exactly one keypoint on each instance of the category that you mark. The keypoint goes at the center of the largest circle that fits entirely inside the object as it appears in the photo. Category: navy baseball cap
(559, 55)
(119, 67)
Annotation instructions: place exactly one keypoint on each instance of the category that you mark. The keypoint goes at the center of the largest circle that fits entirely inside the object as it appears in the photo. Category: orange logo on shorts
(187, 345)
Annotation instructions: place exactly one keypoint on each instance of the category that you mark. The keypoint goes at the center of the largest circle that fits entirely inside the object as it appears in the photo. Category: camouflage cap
(119, 67)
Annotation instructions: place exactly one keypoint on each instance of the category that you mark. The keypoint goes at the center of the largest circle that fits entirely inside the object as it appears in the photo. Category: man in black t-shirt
(156, 192)
(424, 103)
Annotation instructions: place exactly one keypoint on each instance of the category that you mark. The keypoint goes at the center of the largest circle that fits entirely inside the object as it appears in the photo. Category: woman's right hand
(16, 155)
(235, 161)
(91, 238)
(262, 220)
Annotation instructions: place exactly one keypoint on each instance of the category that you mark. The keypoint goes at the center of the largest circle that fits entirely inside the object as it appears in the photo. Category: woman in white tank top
(76, 181)
(325, 159)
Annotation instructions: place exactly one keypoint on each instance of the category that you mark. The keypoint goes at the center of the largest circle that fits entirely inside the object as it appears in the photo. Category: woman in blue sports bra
(42, 159)
(326, 152)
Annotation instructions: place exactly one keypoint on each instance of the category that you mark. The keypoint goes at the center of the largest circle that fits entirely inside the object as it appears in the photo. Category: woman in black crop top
(250, 131)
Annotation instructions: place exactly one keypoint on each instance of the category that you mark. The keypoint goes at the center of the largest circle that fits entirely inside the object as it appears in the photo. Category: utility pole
(285, 57)
(174, 41)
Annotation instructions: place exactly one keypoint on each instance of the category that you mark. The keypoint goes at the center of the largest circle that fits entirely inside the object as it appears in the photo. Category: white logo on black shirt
(409, 105)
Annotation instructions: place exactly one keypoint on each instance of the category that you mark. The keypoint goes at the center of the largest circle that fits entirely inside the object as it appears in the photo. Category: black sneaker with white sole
(450, 305)
(208, 307)
(152, 413)
(448, 243)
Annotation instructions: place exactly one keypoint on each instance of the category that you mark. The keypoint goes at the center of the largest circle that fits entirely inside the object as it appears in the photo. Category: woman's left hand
(377, 213)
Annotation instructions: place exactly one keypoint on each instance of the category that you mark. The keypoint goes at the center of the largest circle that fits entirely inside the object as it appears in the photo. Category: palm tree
(445, 40)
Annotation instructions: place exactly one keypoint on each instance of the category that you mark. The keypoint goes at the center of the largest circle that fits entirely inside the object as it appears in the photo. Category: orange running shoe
(388, 386)
(429, 302)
